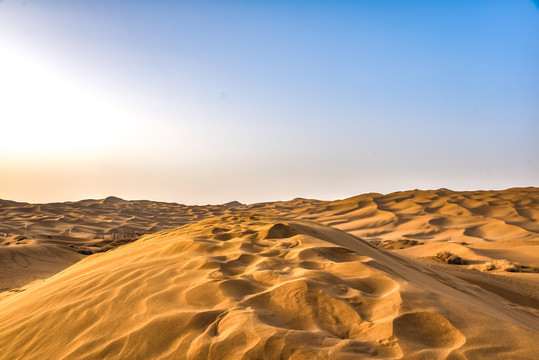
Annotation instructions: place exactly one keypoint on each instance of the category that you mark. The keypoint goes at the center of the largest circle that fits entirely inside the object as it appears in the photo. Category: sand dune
(257, 287)
(64, 232)
(364, 277)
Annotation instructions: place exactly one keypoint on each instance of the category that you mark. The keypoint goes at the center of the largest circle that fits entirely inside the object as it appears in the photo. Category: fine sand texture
(416, 275)
(258, 287)
(491, 231)
(39, 240)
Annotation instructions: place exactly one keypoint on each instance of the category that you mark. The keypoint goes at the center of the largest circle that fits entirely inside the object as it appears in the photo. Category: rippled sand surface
(300, 279)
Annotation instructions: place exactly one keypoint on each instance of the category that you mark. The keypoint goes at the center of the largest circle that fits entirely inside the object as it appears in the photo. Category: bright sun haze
(210, 101)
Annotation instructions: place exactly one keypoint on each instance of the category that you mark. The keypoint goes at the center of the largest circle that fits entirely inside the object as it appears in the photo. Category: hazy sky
(210, 101)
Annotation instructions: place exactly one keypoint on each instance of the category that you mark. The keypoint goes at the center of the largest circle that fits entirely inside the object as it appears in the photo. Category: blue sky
(209, 101)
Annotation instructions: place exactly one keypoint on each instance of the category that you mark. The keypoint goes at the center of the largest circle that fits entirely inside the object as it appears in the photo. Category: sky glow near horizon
(209, 101)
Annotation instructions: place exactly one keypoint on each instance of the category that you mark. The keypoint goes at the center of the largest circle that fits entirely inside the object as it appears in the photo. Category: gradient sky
(210, 101)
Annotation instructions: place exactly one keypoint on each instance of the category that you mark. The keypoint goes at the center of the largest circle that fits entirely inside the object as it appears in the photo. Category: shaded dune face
(270, 291)
(427, 333)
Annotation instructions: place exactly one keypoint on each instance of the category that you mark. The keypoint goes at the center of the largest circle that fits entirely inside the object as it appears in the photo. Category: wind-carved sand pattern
(295, 296)
(274, 280)
(215, 289)
(494, 231)
(234, 287)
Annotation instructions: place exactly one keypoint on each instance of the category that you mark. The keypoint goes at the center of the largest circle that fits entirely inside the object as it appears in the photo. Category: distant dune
(414, 275)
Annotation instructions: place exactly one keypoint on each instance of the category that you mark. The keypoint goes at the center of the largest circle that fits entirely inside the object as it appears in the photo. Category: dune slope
(482, 227)
(257, 287)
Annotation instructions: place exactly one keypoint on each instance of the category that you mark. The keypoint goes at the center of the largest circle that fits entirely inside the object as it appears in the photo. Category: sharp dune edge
(301, 279)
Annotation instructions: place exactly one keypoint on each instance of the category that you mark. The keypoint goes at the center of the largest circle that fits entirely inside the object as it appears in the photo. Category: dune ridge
(255, 287)
(416, 275)
(496, 230)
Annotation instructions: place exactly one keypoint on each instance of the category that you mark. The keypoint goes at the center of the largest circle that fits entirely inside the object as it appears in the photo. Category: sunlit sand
(415, 275)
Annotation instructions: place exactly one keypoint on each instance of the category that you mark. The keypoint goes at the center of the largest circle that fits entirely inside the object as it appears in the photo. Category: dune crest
(248, 286)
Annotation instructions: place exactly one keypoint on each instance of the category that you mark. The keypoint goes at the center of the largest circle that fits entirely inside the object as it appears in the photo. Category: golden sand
(300, 279)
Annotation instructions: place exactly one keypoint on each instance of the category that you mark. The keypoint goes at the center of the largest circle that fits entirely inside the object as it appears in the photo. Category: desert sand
(415, 275)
